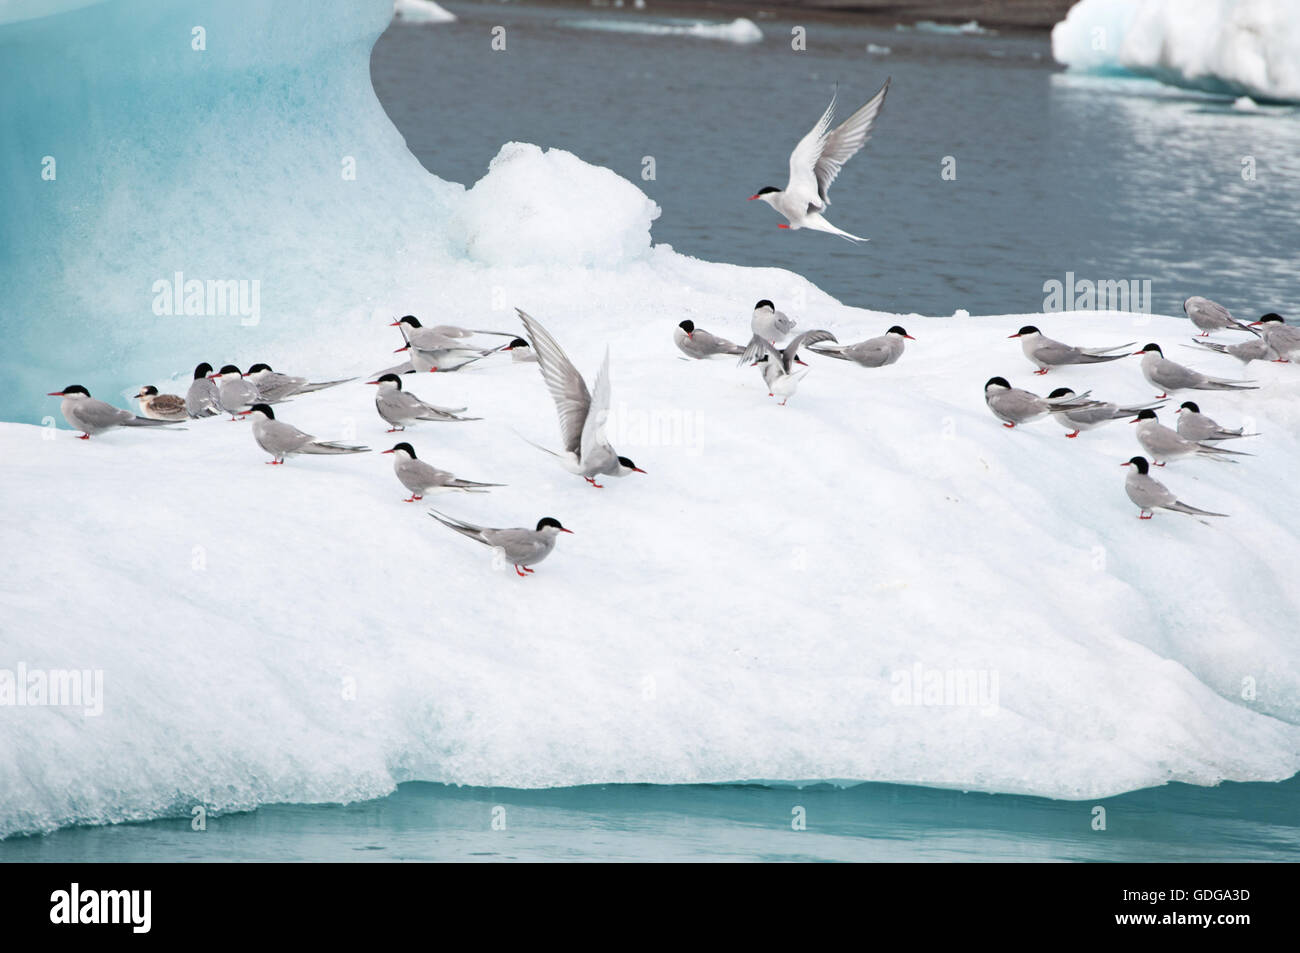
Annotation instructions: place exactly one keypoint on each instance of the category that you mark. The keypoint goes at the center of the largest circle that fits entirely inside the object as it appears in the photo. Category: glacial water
(735, 822)
(1107, 178)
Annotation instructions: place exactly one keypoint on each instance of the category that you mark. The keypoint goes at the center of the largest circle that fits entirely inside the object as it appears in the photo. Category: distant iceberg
(739, 30)
(421, 11)
(1234, 47)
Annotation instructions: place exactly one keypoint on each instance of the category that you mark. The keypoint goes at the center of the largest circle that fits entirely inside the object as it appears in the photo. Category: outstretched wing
(568, 390)
(791, 350)
(845, 141)
(593, 429)
(758, 348)
(803, 161)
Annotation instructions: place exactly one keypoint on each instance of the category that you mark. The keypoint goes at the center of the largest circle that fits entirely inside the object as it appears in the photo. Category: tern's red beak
(1016, 335)
(213, 377)
(432, 369)
(751, 198)
(1126, 464)
(1255, 324)
(569, 531)
(57, 393)
(909, 337)
(388, 451)
(637, 470)
(395, 324)
(405, 347)
(1135, 420)
(1136, 353)
(372, 382)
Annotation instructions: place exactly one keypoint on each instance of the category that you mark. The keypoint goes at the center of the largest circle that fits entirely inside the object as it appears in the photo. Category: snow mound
(421, 11)
(740, 30)
(1236, 47)
(551, 208)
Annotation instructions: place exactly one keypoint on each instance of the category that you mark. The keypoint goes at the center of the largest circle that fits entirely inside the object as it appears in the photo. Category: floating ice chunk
(421, 11)
(1249, 47)
(739, 30)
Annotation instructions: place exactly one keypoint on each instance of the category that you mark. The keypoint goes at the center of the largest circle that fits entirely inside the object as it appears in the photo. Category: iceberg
(1230, 47)
(741, 30)
(299, 634)
(421, 11)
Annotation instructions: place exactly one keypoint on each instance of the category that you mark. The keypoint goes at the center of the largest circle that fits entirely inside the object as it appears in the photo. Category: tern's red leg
(1203, 334)
(519, 573)
(1071, 436)
(783, 226)
(594, 483)
(526, 569)
(84, 436)
(1282, 360)
(1041, 371)
(1009, 426)
(1159, 464)
(1161, 396)
(394, 429)
(1145, 516)
(413, 499)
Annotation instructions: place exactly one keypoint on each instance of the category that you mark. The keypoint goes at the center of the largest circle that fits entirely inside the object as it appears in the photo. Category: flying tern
(815, 163)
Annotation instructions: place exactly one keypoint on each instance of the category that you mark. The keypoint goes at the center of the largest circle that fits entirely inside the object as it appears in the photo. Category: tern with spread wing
(582, 414)
(777, 365)
(1047, 353)
(522, 547)
(815, 163)
(1149, 494)
(92, 416)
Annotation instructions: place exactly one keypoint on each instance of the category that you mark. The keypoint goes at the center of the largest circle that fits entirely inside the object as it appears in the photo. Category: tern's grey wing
(476, 533)
(845, 141)
(757, 349)
(783, 323)
(428, 411)
(275, 387)
(1097, 414)
(521, 546)
(1208, 314)
(1161, 442)
(1148, 492)
(1173, 376)
(278, 438)
(201, 399)
(101, 416)
(418, 475)
(712, 344)
(568, 390)
(593, 429)
(791, 351)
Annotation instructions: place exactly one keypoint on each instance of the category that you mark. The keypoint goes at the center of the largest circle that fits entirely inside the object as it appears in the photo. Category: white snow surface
(738, 612)
(1242, 47)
